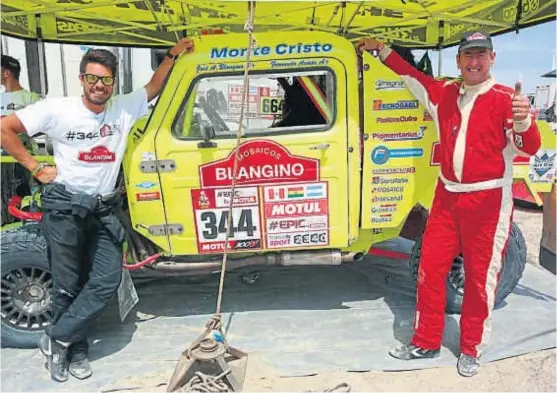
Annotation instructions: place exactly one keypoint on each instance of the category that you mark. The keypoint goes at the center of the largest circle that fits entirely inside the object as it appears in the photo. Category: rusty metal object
(203, 366)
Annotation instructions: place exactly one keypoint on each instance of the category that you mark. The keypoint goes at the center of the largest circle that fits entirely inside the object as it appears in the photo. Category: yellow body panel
(334, 150)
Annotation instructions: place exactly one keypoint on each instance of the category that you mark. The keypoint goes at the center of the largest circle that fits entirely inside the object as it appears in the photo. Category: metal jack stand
(204, 366)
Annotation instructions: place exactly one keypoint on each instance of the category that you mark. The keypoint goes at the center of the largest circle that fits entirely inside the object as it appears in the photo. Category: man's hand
(47, 174)
(184, 45)
(369, 44)
(157, 80)
(521, 104)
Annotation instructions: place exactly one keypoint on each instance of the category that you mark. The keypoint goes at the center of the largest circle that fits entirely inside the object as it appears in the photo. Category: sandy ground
(534, 372)
(531, 372)
(528, 373)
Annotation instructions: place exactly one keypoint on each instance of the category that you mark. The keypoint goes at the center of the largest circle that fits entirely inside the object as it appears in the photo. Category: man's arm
(155, 84)
(425, 88)
(525, 133)
(31, 120)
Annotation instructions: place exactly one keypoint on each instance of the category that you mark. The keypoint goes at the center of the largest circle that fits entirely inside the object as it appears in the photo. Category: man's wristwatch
(39, 168)
(171, 56)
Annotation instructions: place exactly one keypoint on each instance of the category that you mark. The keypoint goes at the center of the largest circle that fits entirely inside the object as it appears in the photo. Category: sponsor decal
(379, 105)
(305, 208)
(148, 196)
(286, 193)
(146, 184)
(389, 180)
(210, 209)
(109, 130)
(542, 167)
(99, 154)
(279, 49)
(427, 116)
(476, 36)
(388, 208)
(435, 154)
(318, 238)
(296, 215)
(287, 225)
(400, 119)
(381, 199)
(518, 140)
(393, 171)
(387, 189)
(148, 156)
(389, 85)
(381, 154)
(260, 162)
(381, 218)
(400, 136)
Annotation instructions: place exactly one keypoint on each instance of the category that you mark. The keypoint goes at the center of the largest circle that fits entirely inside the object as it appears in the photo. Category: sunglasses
(92, 79)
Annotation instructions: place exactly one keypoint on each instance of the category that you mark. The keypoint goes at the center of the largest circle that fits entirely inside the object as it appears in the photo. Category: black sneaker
(410, 352)
(467, 365)
(56, 358)
(81, 369)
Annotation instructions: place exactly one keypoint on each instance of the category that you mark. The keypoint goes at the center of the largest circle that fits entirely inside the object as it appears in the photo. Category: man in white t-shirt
(79, 197)
(14, 97)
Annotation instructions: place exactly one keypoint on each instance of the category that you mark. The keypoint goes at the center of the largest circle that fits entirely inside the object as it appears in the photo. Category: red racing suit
(473, 205)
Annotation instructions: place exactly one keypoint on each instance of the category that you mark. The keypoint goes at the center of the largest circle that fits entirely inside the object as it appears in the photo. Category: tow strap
(207, 353)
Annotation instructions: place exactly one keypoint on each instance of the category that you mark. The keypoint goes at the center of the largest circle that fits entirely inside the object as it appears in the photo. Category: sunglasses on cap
(92, 79)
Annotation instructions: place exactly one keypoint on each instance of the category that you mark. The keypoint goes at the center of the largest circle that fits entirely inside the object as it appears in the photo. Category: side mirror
(208, 132)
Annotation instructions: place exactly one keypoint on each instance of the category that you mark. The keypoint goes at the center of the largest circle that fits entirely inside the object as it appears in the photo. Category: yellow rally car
(336, 156)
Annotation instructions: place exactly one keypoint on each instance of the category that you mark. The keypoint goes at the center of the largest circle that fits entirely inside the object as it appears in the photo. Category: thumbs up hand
(520, 104)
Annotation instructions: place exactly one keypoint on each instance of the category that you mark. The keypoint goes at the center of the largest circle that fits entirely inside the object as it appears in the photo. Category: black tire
(514, 262)
(26, 283)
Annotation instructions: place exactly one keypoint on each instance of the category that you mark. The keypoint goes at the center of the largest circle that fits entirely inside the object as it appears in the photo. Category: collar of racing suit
(477, 89)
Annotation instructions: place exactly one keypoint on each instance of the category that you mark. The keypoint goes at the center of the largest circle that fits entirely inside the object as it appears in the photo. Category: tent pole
(440, 48)
(440, 63)
(42, 66)
(63, 69)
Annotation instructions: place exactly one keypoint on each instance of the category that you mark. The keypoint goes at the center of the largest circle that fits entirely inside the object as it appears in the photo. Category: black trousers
(85, 256)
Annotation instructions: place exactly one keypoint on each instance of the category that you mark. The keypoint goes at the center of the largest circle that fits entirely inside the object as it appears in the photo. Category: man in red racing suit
(482, 125)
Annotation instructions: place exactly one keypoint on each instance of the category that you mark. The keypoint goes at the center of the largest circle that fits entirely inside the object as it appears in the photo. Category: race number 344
(214, 224)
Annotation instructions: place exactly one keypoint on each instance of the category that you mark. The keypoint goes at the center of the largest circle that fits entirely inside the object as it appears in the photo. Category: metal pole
(5, 50)
(116, 52)
(440, 46)
(440, 63)
(127, 76)
(42, 66)
(63, 67)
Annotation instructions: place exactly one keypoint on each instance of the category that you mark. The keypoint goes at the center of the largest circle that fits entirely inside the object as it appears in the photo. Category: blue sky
(528, 54)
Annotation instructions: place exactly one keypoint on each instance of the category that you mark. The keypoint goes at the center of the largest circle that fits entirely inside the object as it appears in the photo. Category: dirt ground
(531, 372)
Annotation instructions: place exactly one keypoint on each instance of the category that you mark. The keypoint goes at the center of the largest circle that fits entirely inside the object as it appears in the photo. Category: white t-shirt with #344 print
(88, 147)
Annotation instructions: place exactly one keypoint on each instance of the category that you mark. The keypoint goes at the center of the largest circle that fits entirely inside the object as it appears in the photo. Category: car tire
(26, 284)
(514, 263)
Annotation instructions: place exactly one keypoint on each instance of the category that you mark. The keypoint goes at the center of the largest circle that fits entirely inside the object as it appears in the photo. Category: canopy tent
(416, 24)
